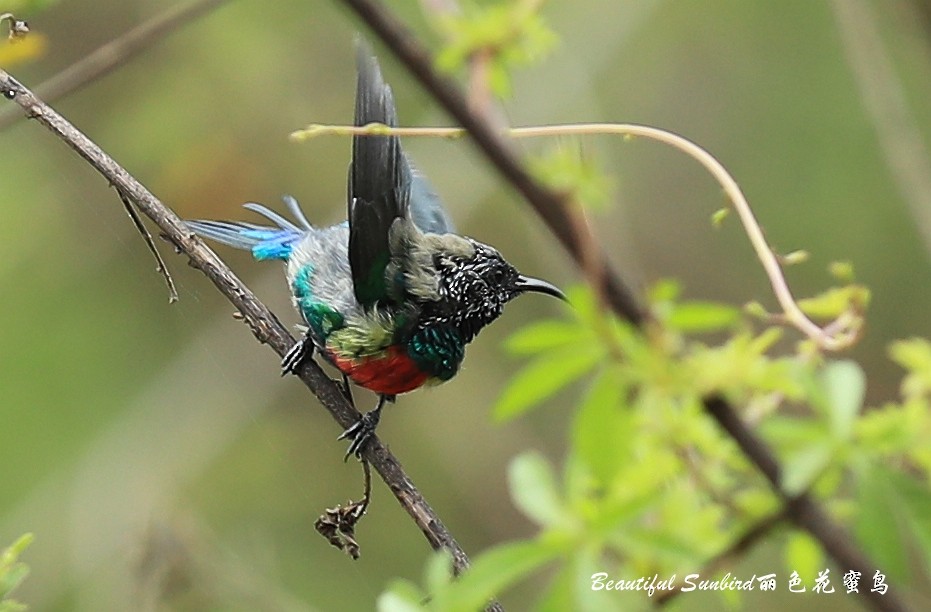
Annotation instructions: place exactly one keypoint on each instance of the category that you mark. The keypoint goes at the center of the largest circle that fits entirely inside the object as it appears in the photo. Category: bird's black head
(474, 289)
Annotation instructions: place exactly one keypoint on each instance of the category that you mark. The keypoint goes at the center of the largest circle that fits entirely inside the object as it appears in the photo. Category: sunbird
(391, 296)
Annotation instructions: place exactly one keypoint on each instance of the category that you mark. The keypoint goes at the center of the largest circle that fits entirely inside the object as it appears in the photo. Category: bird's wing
(379, 183)
(427, 209)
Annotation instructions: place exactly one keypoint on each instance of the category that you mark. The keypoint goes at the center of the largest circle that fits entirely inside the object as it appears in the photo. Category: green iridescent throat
(438, 350)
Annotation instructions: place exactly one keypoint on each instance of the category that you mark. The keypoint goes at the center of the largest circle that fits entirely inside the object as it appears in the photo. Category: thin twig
(18, 27)
(263, 323)
(738, 547)
(160, 266)
(114, 54)
(338, 525)
(803, 511)
(837, 335)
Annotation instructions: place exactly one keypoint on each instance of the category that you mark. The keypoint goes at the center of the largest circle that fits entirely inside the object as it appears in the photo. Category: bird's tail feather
(265, 242)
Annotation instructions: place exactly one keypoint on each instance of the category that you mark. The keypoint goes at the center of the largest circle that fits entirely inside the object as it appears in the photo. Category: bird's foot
(360, 433)
(296, 355)
(362, 430)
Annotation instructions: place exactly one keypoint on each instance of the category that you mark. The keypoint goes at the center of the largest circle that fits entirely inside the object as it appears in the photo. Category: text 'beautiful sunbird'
(391, 296)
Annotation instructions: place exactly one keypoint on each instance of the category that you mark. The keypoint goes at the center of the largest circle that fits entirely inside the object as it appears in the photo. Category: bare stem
(263, 323)
(18, 27)
(837, 335)
(114, 54)
(160, 266)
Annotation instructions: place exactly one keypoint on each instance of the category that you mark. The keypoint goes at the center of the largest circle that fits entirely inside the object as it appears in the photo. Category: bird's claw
(296, 355)
(359, 433)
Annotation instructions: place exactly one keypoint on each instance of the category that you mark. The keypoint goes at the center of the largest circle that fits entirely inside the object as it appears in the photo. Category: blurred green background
(154, 450)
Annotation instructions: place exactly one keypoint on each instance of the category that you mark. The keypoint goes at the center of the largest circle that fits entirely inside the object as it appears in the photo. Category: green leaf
(534, 490)
(503, 34)
(792, 434)
(497, 569)
(894, 519)
(914, 355)
(577, 481)
(879, 522)
(585, 563)
(757, 311)
(717, 219)
(916, 501)
(804, 467)
(794, 258)
(542, 378)
(703, 317)
(12, 578)
(804, 555)
(544, 336)
(842, 271)
(12, 606)
(836, 300)
(401, 596)
(845, 385)
(559, 593)
(12, 572)
(885, 431)
(567, 169)
(664, 290)
(438, 571)
(499, 79)
(601, 434)
(766, 340)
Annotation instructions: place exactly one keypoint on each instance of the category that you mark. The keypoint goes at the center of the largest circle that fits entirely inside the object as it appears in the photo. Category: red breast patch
(390, 373)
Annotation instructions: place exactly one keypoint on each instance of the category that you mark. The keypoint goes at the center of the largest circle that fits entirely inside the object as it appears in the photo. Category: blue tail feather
(264, 242)
(271, 216)
(295, 210)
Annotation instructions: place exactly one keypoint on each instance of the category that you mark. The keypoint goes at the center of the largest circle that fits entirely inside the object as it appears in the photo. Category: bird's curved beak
(528, 283)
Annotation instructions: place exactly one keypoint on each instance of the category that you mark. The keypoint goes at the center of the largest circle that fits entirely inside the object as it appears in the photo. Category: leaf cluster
(504, 34)
(12, 573)
(650, 485)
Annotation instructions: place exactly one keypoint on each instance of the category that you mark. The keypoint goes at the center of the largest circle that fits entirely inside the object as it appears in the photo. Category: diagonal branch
(802, 510)
(263, 323)
(114, 54)
(551, 206)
